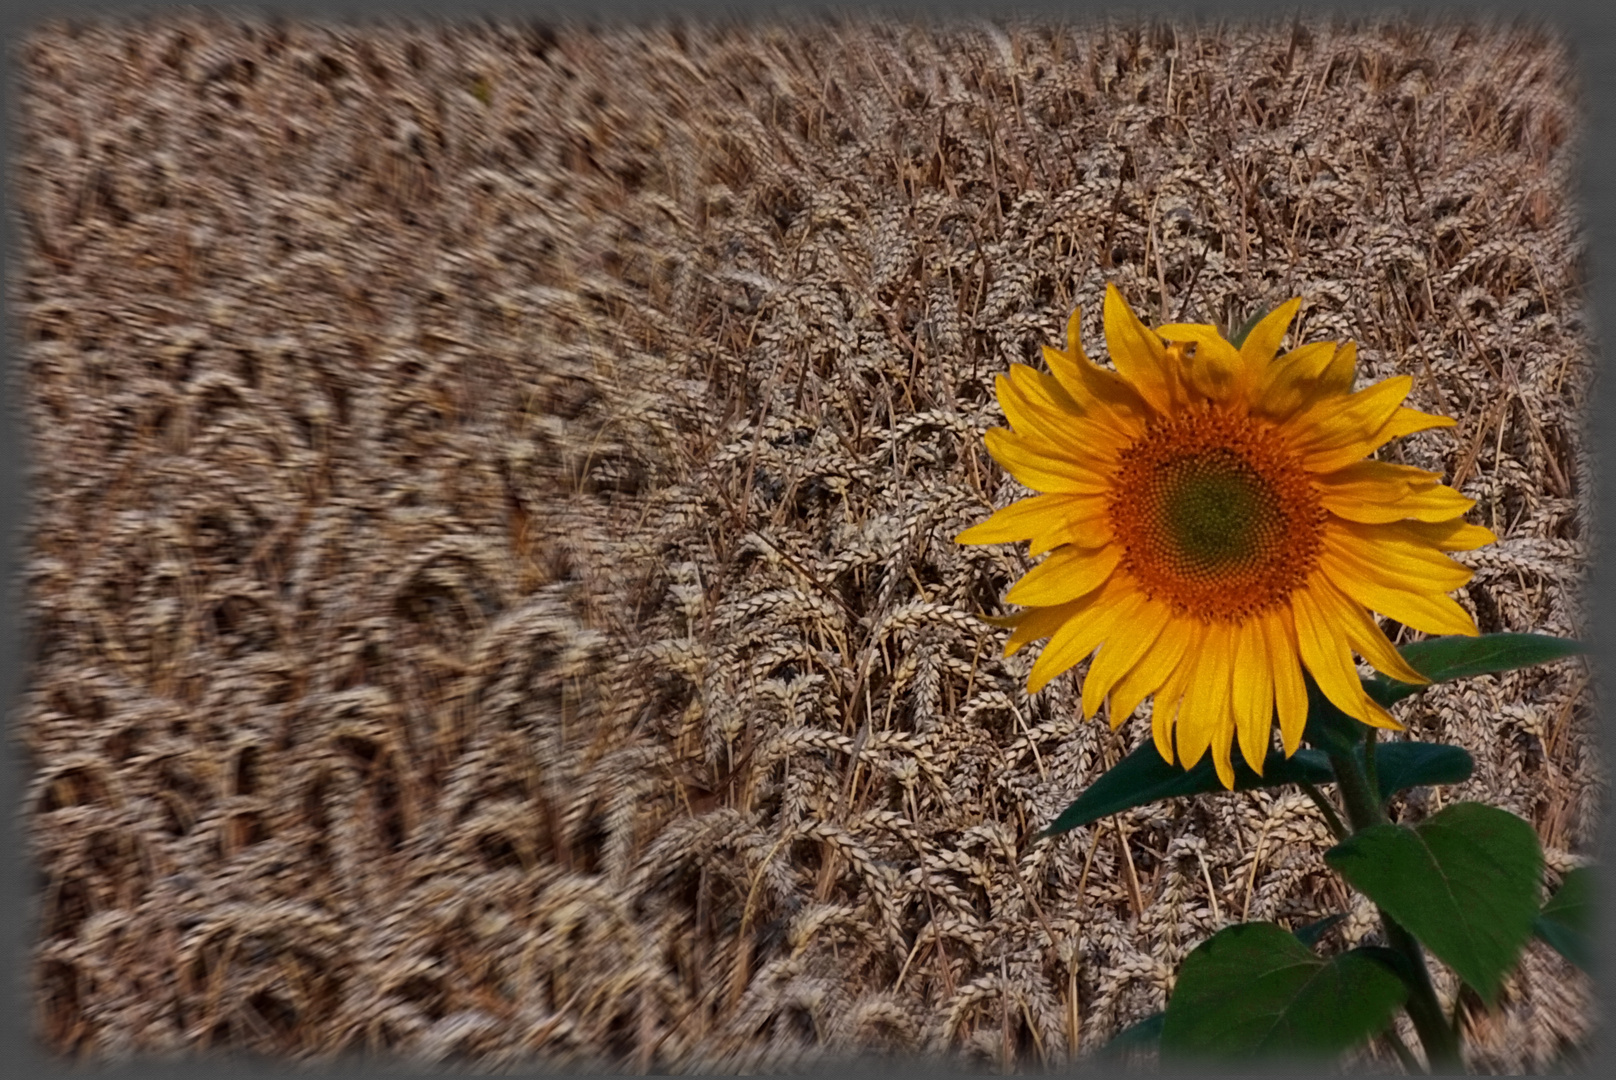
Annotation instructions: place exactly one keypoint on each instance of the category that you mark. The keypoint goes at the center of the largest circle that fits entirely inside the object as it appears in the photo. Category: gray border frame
(1587, 26)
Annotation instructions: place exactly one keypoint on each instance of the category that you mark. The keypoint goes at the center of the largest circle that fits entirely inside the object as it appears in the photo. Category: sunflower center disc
(1218, 510)
(1216, 515)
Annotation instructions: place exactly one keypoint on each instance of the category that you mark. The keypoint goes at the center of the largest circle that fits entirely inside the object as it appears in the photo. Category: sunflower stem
(1364, 810)
(1371, 777)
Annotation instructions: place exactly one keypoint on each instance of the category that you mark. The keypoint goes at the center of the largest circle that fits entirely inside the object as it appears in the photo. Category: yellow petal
(1262, 343)
(1045, 412)
(1404, 421)
(1206, 698)
(1066, 574)
(1362, 633)
(1102, 394)
(1431, 504)
(1290, 691)
(1216, 368)
(1223, 750)
(1040, 622)
(1223, 741)
(1376, 716)
(1041, 471)
(1203, 336)
(1340, 371)
(1035, 623)
(1048, 432)
(1139, 355)
(1044, 390)
(1329, 659)
(1295, 381)
(1048, 521)
(1378, 481)
(1136, 631)
(1048, 391)
(1164, 713)
(1253, 693)
(1442, 535)
(1375, 492)
(1407, 421)
(1151, 672)
(1386, 553)
(1076, 638)
(1415, 606)
(1074, 335)
(1333, 434)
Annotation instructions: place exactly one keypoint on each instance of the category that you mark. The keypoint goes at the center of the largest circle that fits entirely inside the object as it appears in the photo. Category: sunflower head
(1214, 527)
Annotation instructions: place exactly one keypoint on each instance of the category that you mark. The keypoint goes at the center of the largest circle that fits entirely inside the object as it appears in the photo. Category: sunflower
(1214, 528)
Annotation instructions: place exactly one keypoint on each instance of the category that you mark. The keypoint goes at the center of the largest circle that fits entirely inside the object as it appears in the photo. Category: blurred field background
(491, 557)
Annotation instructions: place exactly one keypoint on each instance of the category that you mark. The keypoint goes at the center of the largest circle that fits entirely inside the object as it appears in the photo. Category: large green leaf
(1402, 765)
(1440, 659)
(1567, 919)
(1464, 881)
(1254, 990)
(1444, 659)
(1140, 1038)
(1143, 777)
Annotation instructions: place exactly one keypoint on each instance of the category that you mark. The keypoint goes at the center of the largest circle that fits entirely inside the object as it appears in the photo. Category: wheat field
(493, 485)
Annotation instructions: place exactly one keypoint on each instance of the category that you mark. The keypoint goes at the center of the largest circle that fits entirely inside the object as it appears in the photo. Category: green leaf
(1309, 935)
(1444, 659)
(1139, 1038)
(1398, 765)
(1464, 881)
(1440, 659)
(1143, 777)
(1254, 990)
(1402, 765)
(1567, 919)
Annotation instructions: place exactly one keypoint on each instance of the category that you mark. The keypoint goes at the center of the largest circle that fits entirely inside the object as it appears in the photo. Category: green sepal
(1238, 338)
